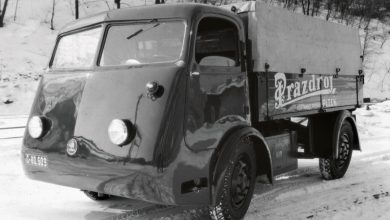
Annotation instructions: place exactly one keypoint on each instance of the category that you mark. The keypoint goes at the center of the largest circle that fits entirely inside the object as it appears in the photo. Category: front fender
(344, 116)
(226, 145)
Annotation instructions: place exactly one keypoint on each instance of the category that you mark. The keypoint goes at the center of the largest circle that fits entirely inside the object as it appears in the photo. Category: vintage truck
(187, 104)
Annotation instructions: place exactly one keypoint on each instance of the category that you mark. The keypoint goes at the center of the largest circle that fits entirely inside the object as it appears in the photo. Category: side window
(217, 43)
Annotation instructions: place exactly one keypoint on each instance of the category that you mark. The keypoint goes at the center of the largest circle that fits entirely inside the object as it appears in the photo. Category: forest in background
(356, 13)
(346, 10)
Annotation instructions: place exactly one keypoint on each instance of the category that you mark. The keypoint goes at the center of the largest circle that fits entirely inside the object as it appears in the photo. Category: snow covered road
(364, 192)
(12, 126)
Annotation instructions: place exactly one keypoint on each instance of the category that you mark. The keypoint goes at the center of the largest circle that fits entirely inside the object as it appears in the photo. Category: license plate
(35, 160)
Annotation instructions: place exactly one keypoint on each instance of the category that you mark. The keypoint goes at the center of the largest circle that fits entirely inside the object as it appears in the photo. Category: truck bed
(300, 65)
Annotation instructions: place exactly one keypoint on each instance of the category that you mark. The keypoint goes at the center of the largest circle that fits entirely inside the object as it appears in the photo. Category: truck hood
(82, 105)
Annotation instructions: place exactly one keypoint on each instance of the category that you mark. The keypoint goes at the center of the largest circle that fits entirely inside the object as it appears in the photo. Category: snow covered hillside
(26, 44)
(363, 193)
(24, 52)
(377, 61)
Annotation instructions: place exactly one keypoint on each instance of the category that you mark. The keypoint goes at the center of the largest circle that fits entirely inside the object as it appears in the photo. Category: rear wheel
(238, 175)
(336, 168)
(96, 196)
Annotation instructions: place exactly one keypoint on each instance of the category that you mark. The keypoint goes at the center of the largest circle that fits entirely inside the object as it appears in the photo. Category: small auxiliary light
(120, 131)
(71, 147)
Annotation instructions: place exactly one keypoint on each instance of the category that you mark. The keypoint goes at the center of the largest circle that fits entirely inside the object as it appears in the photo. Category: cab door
(217, 94)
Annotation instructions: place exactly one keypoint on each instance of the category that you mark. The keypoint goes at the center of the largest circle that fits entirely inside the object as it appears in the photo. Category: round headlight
(119, 132)
(36, 127)
(71, 147)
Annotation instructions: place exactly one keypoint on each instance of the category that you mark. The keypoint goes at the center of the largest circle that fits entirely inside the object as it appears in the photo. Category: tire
(238, 173)
(96, 196)
(331, 168)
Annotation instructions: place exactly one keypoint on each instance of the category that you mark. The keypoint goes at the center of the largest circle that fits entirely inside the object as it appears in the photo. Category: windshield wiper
(142, 30)
(135, 34)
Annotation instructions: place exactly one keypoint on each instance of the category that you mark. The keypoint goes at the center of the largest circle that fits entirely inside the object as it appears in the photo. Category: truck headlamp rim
(37, 126)
(119, 131)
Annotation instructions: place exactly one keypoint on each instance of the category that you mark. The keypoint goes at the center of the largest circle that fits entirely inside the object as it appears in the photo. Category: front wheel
(238, 173)
(336, 168)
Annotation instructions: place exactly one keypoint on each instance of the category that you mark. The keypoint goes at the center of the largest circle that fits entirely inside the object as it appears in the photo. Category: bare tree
(303, 6)
(108, 5)
(77, 6)
(16, 9)
(329, 7)
(52, 15)
(387, 74)
(366, 43)
(316, 7)
(367, 37)
(118, 3)
(306, 6)
(290, 4)
(383, 34)
(71, 7)
(3, 13)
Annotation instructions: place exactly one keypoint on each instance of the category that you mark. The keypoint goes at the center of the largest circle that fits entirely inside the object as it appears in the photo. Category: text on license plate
(35, 160)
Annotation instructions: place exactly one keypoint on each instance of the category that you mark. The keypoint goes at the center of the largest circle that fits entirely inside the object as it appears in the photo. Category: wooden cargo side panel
(345, 94)
(280, 98)
(287, 94)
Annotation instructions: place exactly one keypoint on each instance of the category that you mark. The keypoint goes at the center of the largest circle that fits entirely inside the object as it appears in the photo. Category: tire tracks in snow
(304, 195)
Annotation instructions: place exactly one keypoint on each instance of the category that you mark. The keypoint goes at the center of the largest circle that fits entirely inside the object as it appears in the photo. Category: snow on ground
(363, 193)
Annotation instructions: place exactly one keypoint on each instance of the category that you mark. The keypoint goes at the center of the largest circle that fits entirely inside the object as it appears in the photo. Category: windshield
(152, 42)
(77, 50)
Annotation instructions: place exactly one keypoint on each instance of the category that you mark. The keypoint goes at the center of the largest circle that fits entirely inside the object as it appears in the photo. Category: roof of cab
(161, 11)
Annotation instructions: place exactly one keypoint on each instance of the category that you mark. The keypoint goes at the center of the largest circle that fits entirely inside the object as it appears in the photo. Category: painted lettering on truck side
(287, 94)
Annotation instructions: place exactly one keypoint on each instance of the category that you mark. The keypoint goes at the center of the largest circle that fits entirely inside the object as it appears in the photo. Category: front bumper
(130, 179)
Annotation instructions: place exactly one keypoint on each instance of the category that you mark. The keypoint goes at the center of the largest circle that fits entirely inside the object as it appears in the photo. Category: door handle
(192, 74)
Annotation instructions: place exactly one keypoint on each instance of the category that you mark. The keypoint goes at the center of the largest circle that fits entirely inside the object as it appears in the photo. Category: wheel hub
(344, 150)
(241, 181)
